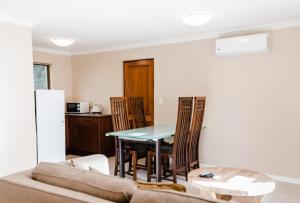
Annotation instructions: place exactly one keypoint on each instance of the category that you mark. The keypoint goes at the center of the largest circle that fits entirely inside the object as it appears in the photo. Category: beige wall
(17, 121)
(253, 102)
(60, 71)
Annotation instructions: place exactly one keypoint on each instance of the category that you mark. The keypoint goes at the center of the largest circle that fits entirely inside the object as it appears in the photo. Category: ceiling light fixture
(62, 42)
(197, 19)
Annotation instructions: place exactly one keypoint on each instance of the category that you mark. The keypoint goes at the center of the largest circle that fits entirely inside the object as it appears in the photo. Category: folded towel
(161, 186)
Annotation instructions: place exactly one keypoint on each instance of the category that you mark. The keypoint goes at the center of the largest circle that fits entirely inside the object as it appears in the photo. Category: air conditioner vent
(241, 45)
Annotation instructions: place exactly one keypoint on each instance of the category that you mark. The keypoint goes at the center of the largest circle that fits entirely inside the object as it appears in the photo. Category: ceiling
(99, 25)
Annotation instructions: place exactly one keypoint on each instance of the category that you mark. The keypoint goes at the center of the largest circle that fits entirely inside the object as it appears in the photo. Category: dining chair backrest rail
(196, 126)
(185, 106)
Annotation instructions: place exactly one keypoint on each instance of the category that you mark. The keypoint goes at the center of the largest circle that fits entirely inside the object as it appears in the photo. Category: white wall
(17, 119)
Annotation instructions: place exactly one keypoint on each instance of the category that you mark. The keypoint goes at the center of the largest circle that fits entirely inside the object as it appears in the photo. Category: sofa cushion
(166, 196)
(96, 184)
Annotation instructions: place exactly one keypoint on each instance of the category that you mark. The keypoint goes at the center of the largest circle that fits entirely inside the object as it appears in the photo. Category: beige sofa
(60, 183)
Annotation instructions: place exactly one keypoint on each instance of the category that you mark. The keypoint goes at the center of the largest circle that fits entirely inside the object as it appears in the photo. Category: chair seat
(140, 148)
(167, 149)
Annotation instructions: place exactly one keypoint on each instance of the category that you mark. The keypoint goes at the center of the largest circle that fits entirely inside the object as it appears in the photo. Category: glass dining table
(152, 134)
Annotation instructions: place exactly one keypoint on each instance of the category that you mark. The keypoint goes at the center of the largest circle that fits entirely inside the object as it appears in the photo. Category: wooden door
(139, 82)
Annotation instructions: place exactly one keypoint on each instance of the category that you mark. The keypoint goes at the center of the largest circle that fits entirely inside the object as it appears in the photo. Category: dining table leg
(121, 159)
(158, 160)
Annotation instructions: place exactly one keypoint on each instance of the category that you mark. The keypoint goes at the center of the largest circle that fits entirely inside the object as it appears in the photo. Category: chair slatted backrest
(119, 114)
(185, 106)
(137, 111)
(196, 126)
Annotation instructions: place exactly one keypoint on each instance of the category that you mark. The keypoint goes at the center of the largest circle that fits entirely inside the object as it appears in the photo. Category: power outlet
(160, 100)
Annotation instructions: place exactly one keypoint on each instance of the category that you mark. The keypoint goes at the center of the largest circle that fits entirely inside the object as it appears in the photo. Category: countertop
(87, 114)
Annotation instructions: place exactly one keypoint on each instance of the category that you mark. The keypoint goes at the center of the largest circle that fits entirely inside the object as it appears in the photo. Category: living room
(241, 56)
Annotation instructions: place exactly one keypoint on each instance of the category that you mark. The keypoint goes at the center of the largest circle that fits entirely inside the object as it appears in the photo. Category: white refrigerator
(50, 125)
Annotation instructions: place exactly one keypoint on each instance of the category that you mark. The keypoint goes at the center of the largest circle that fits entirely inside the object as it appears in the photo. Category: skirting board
(284, 179)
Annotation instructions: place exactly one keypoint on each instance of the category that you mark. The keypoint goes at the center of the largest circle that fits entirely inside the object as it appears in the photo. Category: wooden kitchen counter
(85, 134)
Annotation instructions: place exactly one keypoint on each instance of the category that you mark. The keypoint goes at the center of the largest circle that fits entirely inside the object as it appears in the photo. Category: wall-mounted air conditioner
(241, 45)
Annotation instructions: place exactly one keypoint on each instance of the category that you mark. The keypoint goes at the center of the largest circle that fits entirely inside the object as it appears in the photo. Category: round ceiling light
(62, 42)
(197, 19)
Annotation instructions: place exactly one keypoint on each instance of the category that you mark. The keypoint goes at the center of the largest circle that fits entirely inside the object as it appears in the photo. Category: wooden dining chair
(177, 151)
(137, 112)
(120, 120)
(194, 135)
(139, 121)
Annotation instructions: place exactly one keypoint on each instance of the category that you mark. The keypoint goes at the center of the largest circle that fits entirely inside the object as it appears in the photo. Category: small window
(41, 76)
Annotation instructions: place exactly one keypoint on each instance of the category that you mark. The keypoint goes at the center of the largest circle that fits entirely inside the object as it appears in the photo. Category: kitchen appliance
(97, 108)
(77, 107)
(50, 125)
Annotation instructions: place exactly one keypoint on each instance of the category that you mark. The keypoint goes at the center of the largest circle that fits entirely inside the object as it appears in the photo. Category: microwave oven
(77, 107)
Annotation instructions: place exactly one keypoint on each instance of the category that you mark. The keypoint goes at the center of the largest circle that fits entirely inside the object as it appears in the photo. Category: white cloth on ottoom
(98, 162)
